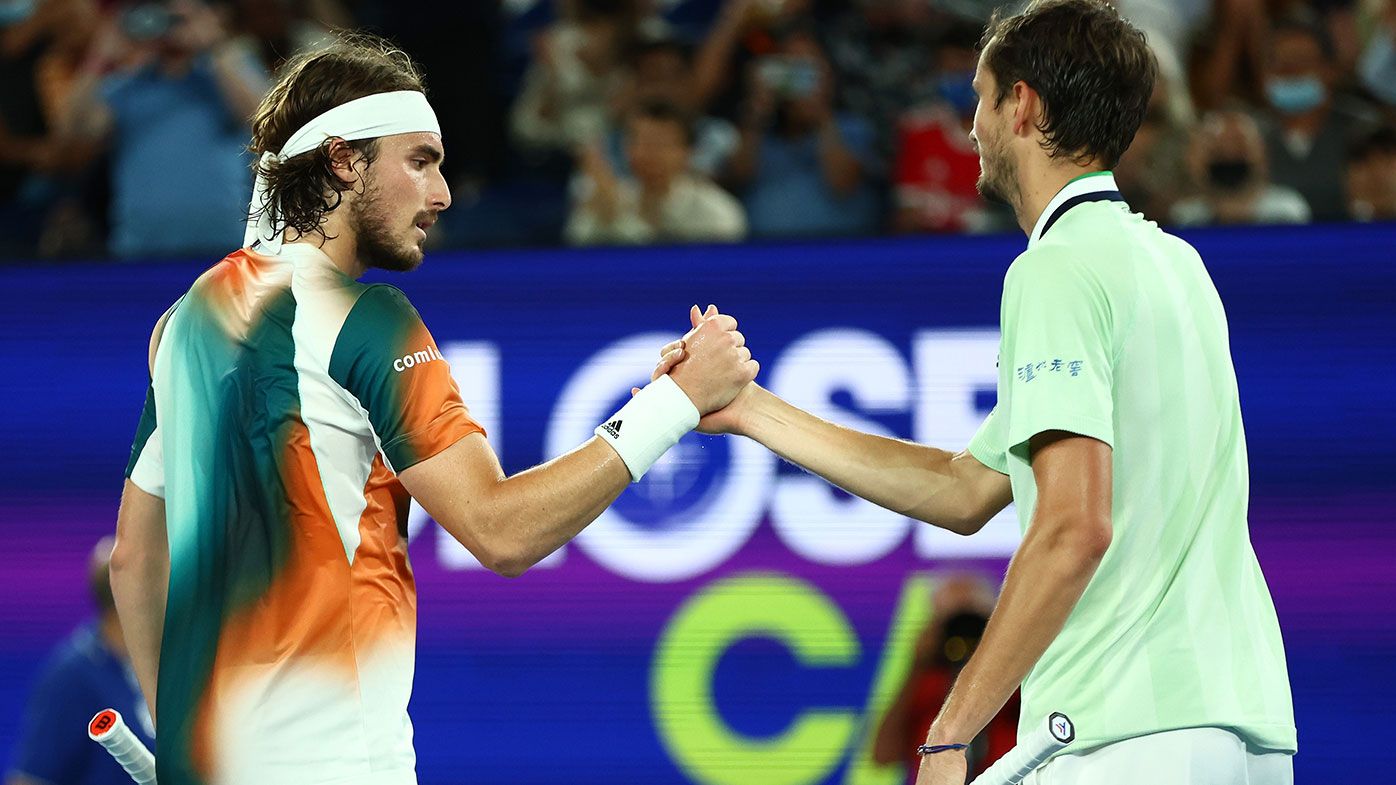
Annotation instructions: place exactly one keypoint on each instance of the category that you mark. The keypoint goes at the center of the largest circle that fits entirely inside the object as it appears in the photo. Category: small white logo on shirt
(429, 354)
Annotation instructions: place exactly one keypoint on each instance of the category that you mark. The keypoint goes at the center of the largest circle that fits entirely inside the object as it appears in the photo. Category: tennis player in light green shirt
(1135, 603)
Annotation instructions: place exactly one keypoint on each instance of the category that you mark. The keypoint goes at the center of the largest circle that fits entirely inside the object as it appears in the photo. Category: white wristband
(649, 424)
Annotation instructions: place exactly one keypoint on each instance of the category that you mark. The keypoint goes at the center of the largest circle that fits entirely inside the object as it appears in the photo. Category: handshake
(704, 380)
(713, 366)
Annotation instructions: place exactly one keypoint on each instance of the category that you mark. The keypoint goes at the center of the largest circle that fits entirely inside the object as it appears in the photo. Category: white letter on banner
(807, 515)
(952, 368)
(688, 542)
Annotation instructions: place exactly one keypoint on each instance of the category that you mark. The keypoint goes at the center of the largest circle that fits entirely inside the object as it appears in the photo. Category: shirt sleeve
(53, 745)
(385, 357)
(146, 466)
(1056, 342)
(987, 446)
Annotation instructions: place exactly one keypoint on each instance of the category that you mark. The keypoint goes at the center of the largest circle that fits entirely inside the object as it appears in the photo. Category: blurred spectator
(1227, 60)
(1310, 127)
(1227, 161)
(806, 170)
(172, 94)
(41, 46)
(881, 51)
(578, 67)
(87, 672)
(1336, 20)
(1371, 176)
(1153, 173)
(663, 201)
(743, 33)
(960, 611)
(936, 170)
(1376, 67)
(274, 31)
(662, 70)
(1171, 26)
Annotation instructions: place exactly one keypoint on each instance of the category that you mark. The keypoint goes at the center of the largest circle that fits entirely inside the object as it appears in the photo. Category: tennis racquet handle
(1053, 734)
(110, 731)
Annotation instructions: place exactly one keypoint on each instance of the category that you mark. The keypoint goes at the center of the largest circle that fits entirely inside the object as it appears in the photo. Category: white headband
(383, 114)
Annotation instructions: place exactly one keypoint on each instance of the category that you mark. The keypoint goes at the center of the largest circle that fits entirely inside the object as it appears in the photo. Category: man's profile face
(403, 192)
(997, 174)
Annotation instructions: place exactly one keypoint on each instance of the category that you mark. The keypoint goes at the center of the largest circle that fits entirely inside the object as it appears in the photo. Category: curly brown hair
(305, 188)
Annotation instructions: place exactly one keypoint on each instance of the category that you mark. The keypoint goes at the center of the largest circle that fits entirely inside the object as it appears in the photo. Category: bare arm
(511, 523)
(841, 169)
(1069, 535)
(1240, 30)
(951, 490)
(712, 64)
(241, 86)
(140, 575)
(889, 744)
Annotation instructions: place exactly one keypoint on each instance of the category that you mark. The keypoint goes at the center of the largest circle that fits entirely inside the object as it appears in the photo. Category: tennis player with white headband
(260, 569)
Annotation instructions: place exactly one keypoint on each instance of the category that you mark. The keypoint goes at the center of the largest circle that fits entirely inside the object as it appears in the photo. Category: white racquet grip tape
(110, 731)
(649, 424)
(1038, 746)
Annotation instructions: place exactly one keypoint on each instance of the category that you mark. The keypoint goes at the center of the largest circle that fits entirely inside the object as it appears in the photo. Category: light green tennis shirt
(1113, 329)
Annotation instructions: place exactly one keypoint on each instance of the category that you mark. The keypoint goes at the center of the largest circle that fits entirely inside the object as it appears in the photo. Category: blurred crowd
(123, 124)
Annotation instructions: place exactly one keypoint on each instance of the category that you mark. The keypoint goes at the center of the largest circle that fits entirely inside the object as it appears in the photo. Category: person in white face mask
(1309, 126)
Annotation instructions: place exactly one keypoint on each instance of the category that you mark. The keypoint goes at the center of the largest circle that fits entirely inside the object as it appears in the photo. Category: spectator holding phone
(168, 91)
(805, 169)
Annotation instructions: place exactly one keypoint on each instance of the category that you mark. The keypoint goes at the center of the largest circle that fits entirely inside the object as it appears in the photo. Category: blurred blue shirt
(81, 677)
(181, 177)
(788, 196)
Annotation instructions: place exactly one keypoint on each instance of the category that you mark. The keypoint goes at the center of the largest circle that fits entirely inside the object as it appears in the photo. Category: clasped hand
(712, 365)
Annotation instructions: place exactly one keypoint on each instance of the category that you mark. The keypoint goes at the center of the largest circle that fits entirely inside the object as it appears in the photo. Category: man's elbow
(126, 559)
(1085, 540)
(508, 566)
(499, 557)
(961, 522)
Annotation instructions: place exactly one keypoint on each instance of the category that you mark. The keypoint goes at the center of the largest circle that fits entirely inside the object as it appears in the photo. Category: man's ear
(1026, 107)
(344, 161)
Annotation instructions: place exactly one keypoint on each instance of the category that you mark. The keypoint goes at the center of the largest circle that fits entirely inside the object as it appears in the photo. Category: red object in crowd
(936, 170)
(930, 688)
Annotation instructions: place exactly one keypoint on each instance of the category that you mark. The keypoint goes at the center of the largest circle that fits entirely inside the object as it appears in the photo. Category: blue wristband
(931, 749)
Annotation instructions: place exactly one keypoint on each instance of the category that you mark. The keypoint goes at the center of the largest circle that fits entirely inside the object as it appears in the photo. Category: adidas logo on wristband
(613, 428)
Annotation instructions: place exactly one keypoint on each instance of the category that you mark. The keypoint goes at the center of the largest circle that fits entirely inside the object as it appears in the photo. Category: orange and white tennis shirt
(285, 398)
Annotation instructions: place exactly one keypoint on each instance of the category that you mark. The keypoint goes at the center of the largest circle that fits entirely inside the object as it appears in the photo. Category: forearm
(1047, 577)
(516, 522)
(841, 169)
(711, 65)
(140, 574)
(922, 482)
(741, 168)
(889, 745)
(241, 91)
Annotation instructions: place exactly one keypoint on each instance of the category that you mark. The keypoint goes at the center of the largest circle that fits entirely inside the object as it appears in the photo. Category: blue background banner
(732, 620)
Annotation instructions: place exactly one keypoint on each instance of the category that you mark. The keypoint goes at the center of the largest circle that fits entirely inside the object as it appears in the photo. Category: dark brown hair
(1094, 72)
(305, 187)
(663, 111)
